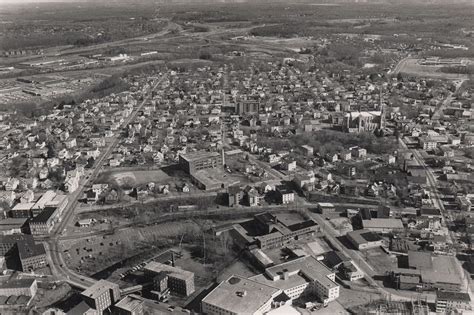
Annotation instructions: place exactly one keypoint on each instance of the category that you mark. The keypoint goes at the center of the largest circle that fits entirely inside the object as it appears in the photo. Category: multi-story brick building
(178, 281)
(102, 295)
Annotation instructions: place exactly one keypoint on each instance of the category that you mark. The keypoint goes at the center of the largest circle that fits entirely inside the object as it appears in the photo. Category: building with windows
(201, 160)
(447, 302)
(362, 121)
(273, 232)
(302, 276)
(19, 287)
(30, 254)
(101, 295)
(129, 305)
(179, 281)
(364, 239)
(245, 107)
(427, 143)
(44, 222)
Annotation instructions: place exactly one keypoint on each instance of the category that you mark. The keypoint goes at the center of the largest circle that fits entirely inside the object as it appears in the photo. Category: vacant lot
(134, 178)
(411, 66)
(380, 261)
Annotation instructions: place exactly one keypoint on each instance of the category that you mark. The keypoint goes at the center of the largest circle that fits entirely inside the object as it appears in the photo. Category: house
(111, 196)
(284, 195)
(358, 152)
(305, 181)
(11, 184)
(7, 197)
(332, 157)
(307, 150)
(234, 195)
(464, 203)
(71, 143)
(251, 196)
(288, 166)
(427, 143)
(345, 156)
(184, 188)
(326, 207)
(71, 182)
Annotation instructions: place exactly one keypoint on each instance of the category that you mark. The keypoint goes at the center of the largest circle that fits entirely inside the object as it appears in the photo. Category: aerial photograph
(236, 157)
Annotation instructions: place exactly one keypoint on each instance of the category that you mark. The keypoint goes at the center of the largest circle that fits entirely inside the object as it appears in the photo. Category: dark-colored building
(30, 254)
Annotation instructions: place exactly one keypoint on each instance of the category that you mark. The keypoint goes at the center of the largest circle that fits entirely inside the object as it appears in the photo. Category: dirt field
(94, 253)
(135, 178)
(411, 66)
(380, 261)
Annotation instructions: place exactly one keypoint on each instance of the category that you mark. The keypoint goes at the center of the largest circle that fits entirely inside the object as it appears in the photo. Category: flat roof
(326, 204)
(453, 296)
(9, 223)
(199, 155)
(290, 282)
(28, 249)
(240, 295)
(420, 260)
(382, 223)
(214, 177)
(45, 198)
(23, 206)
(309, 266)
(364, 236)
(176, 272)
(17, 283)
(44, 216)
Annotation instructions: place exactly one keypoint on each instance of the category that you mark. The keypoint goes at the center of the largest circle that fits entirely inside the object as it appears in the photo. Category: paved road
(358, 259)
(447, 217)
(57, 264)
(449, 99)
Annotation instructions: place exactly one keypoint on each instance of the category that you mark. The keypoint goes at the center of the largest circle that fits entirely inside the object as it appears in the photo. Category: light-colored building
(179, 281)
(239, 295)
(302, 276)
(101, 295)
(447, 302)
(129, 305)
(364, 239)
(383, 225)
(17, 287)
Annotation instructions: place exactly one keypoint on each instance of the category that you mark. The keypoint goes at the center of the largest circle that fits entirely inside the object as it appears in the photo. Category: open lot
(136, 178)
(412, 66)
(380, 261)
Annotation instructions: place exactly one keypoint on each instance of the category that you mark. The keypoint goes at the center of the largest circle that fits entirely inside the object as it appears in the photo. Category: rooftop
(98, 288)
(199, 155)
(44, 216)
(176, 272)
(240, 295)
(453, 296)
(382, 223)
(309, 266)
(129, 303)
(419, 260)
(364, 236)
(17, 283)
